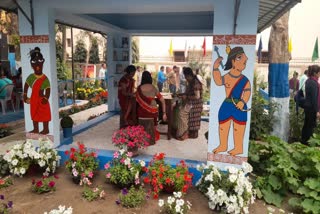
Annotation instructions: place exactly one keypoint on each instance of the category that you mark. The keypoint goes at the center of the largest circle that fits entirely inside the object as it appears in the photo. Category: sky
(304, 27)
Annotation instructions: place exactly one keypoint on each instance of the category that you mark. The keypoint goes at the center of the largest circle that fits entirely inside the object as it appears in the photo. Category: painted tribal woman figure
(234, 107)
(39, 104)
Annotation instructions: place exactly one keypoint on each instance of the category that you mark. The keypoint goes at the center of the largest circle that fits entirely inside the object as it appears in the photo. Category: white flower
(171, 200)
(246, 167)
(232, 169)
(212, 205)
(233, 178)
(177, 194)
(28, 144)
(270, 209)
(17, 146)
(209, 177)
(136, 175)
(22, 171)
(178, 208)
(14, 162)
(127, 161)
(36, 156)
(142, 163)
(161, 203)
(41, 163)
(121, 151)
(246, 210)
(180, 202)
(220, 192)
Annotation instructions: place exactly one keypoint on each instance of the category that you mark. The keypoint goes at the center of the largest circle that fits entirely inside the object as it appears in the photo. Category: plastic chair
(9, 89)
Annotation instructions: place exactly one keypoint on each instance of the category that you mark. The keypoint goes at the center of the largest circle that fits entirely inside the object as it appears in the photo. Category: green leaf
(272, 197)
(313, 183)
(295, 202)
(274, 182)
(310, 205)
(304, 191)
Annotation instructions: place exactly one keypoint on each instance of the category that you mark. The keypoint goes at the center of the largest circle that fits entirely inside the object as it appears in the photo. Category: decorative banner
(230, 119)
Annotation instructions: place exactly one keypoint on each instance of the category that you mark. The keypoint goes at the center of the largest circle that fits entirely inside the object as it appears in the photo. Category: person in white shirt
(303, 79)
(102, 74)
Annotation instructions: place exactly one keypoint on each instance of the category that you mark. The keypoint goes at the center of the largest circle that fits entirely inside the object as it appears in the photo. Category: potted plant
(82, 163)
(122, 171)
(45, 184)
(131, 138)
(164, 177)
(174, 204)
(66, 124)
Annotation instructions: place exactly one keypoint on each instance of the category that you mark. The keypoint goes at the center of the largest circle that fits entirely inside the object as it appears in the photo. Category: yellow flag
(290, 46)
(171, 49)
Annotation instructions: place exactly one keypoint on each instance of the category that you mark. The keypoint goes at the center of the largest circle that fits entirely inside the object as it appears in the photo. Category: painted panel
(37, 87)
(231, 92)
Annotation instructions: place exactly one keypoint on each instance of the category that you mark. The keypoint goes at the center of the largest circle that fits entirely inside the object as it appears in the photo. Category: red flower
(56, 176)
(39, 184)
(154, 172)
(146, 180)
(178, 174)
(185, 188)
(66, 152)
(160, 186)
(51, 184)
(145, 169)
(33, 181)
(168, 180)
(2, 181)
(159, 156)
(72, 150)
(161, 175)
(155, 196)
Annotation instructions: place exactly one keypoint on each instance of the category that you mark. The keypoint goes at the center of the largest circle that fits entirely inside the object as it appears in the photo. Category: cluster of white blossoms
(175, 204)
(21, 156)
(232, 195)
(61, 210)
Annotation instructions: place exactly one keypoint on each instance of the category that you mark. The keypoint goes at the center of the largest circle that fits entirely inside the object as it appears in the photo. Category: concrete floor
(99, 137)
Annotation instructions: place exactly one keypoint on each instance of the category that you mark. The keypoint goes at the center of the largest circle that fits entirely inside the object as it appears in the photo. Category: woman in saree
(146, 103)
(39, 104)
(189, 118)
(125, 94)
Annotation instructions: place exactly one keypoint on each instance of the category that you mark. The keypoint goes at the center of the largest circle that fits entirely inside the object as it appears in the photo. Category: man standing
(172, 80)
(102, 74)
(302, 81)
(138, 76)
(183, 82)
(294, 84)
(161, 78)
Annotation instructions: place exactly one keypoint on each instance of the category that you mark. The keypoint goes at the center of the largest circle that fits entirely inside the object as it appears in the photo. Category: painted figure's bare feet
(219, 149)
(235, 152)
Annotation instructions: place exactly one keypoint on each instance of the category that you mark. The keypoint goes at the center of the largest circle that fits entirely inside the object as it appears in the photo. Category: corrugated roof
(269, 10)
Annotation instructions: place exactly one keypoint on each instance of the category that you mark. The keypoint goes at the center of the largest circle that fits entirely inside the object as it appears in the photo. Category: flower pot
(76, 179)
(168, 188)
(67, 132)
(34, 169)
(134, 151)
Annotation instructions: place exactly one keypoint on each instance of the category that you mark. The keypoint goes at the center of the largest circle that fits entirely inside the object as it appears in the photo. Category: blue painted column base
(278, 80)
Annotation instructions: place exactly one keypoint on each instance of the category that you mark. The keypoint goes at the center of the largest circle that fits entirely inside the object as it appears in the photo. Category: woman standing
(312, 103)
(190, 112)
(125, 93)
(147, 106)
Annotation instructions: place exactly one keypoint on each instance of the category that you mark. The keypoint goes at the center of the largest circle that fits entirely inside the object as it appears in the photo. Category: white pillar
(244, 38)
(44, 38)
(119, 57)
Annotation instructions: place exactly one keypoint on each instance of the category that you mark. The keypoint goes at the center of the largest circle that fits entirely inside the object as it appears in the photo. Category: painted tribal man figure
(234, 107)
(39, 104)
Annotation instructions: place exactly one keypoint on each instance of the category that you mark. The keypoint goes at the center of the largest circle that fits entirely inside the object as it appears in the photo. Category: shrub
(174, 205)
(4, 167)
(91, 194)
(66, 122)
(132, 198)
(45, 184)
(5, 206)
(5, 130)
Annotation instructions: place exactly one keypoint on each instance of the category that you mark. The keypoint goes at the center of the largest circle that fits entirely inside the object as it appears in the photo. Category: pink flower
(137, 181)
(129, 154)
(51, 184)
(122, 160)
(108, 175)
(107, 166)
(90, 174)
(115, 155)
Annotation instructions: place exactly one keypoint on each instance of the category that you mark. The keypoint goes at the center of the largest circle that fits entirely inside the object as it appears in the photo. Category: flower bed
(5, 130)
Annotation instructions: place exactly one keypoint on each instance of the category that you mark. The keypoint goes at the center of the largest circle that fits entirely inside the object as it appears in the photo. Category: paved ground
(99, 137)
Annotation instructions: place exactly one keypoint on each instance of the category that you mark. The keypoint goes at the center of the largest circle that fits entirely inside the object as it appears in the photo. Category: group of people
(309, 84)
(147, 98)
(175, 79)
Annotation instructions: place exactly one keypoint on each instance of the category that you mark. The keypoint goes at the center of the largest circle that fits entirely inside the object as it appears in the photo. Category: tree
(135, 50)
(197, 61)
(80, 53)
(94, 52)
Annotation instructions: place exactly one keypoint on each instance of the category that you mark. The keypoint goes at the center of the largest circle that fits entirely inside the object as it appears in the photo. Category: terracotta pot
(168, 188)
(134, 151)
